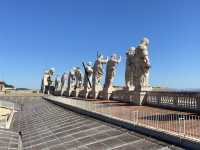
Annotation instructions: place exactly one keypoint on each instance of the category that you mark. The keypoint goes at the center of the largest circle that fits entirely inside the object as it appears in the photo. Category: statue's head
(131, 51)
(51, 71)
(100, 56)
(78, 68)
(89, 63)
(145, 41)
(72, 70)
(114, 56)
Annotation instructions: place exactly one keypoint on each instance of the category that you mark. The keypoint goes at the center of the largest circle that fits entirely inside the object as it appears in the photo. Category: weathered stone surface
(57, 83)
(78, 78)
(47, 81)
(133, 97)
(63, 82)
(97, 76)
(110, 74)
(87, 81)
(71, 82)
(78, 82)
(130, 69)
(137, 67)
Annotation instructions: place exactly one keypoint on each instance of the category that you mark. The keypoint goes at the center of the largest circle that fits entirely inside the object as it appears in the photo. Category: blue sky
(38, 34)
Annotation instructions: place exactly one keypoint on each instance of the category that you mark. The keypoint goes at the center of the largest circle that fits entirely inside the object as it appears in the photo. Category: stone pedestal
(75, 93)
(84, 94)
(57, 93)
(106, 93)
(133, 97)
(68, 92)
(198, 103)
(64, 93)
(94, 93)
(137, 98)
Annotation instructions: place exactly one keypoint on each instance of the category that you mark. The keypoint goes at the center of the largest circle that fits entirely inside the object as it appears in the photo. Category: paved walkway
(179, 123)
(46, 126)
(8, 140)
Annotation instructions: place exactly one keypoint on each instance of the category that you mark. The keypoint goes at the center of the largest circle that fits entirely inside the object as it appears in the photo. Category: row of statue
(74, 83)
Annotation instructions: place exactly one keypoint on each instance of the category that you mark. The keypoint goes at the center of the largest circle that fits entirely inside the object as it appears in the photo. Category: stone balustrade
(189, 101)
(178, 100)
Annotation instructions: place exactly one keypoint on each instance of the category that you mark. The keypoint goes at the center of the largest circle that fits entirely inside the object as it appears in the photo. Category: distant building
(6, 87)
(2, 86)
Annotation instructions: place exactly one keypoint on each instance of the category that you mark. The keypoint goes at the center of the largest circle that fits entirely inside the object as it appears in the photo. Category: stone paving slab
(46, 126)
(8, 139)
(166, 119)
(121, 116)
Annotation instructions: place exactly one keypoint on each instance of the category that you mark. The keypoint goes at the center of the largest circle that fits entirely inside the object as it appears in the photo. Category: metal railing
(176, 123)
(183, 125)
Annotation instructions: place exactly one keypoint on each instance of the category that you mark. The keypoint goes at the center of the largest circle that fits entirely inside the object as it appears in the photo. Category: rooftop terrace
(45, 125)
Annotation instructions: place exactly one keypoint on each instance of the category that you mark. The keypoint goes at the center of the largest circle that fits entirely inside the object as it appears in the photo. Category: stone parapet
(189, 101)
(134, 97)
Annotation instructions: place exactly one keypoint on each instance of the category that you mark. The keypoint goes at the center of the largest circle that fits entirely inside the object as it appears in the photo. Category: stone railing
(189, 101)
(178, 100)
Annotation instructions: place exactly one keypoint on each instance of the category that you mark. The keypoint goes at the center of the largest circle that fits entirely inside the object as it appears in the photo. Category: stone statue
(111, 71)
(71, 81)
(97, 75)
(44, 85)
(63, 82)
(142, 66)
(57, 82)
(87, 76)
(130, 68)
(78, 78)
(51, 87)
(47, 81)
(98, 69)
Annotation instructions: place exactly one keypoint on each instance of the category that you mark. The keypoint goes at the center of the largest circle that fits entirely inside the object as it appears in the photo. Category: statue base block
(84, 94)
(75, 93)
(57, 93)
(133, 97)
(106, 93)
(68, 92)
(137, 98)
(94, 94)
(64, 93)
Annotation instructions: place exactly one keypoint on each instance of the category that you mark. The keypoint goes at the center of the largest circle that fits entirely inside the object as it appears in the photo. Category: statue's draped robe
(110, 72)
